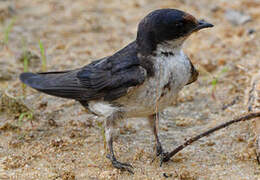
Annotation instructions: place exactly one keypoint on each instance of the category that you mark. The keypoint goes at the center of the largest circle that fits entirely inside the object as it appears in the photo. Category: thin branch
(210, 131)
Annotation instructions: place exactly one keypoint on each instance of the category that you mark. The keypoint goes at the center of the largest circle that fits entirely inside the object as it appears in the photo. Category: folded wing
(108, 78)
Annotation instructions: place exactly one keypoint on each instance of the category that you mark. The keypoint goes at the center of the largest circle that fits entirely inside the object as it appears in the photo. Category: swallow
(139, 80)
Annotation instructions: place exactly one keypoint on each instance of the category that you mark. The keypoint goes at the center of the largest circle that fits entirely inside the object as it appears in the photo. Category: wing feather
(108, 78)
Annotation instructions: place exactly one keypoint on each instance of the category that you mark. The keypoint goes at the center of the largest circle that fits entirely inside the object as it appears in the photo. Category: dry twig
(210, 131)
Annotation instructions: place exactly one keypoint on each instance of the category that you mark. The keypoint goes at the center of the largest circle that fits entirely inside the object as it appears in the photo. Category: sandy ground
(64, 142)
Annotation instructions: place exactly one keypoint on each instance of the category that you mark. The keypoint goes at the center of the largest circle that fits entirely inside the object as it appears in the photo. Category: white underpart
(147, 98)
(102, 108)
(171, 46)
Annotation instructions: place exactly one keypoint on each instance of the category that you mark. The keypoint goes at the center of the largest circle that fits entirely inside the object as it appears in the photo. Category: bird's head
(166, 26)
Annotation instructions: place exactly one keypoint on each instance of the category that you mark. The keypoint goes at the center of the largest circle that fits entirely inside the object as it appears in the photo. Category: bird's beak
(203, 24)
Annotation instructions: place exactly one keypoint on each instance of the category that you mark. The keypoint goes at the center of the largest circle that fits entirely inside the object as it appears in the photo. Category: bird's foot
(162, 154)
(119, 165)
(164, 158)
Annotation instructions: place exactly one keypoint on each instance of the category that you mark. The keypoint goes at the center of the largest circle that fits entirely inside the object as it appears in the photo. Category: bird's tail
(62, 84)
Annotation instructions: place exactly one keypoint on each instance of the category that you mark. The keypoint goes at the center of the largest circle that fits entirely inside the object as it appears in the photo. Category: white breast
(171, 74)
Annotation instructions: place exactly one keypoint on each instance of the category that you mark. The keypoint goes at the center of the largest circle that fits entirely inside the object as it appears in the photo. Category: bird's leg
(109, 127)
(154, 123)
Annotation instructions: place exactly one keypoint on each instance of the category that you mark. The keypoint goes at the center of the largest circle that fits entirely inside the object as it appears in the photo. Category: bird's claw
(121, 166)
(164, 158)
(163, 155)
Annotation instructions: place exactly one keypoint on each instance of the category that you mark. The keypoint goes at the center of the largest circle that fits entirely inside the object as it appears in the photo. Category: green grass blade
(25, 63)
(43, 56)
(8, 29)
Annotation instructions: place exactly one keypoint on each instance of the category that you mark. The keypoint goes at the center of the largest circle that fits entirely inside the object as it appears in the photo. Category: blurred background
(44, 137)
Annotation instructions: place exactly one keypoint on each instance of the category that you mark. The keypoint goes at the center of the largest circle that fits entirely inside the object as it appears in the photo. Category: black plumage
(107, 78)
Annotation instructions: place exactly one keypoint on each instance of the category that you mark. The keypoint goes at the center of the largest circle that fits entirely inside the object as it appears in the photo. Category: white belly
(159, 91)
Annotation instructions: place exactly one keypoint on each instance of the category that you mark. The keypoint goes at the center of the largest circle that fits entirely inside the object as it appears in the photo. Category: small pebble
(166, 175)
(237, 17)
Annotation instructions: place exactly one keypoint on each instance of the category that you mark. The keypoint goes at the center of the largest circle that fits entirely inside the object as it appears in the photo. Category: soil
(44, 137)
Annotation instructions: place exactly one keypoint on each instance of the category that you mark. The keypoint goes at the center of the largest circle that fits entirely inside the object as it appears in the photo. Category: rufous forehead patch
(189, 17)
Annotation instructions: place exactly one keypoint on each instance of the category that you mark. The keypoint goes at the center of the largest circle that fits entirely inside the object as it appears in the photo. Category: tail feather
(61, 84)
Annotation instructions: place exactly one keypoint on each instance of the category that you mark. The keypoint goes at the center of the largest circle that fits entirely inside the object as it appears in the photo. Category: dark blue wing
(108, 78)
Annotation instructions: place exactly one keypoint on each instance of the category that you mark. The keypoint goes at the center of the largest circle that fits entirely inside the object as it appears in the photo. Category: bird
(140, 80)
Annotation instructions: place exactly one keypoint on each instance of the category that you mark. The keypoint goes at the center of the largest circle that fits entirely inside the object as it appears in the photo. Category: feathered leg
(109, 129)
